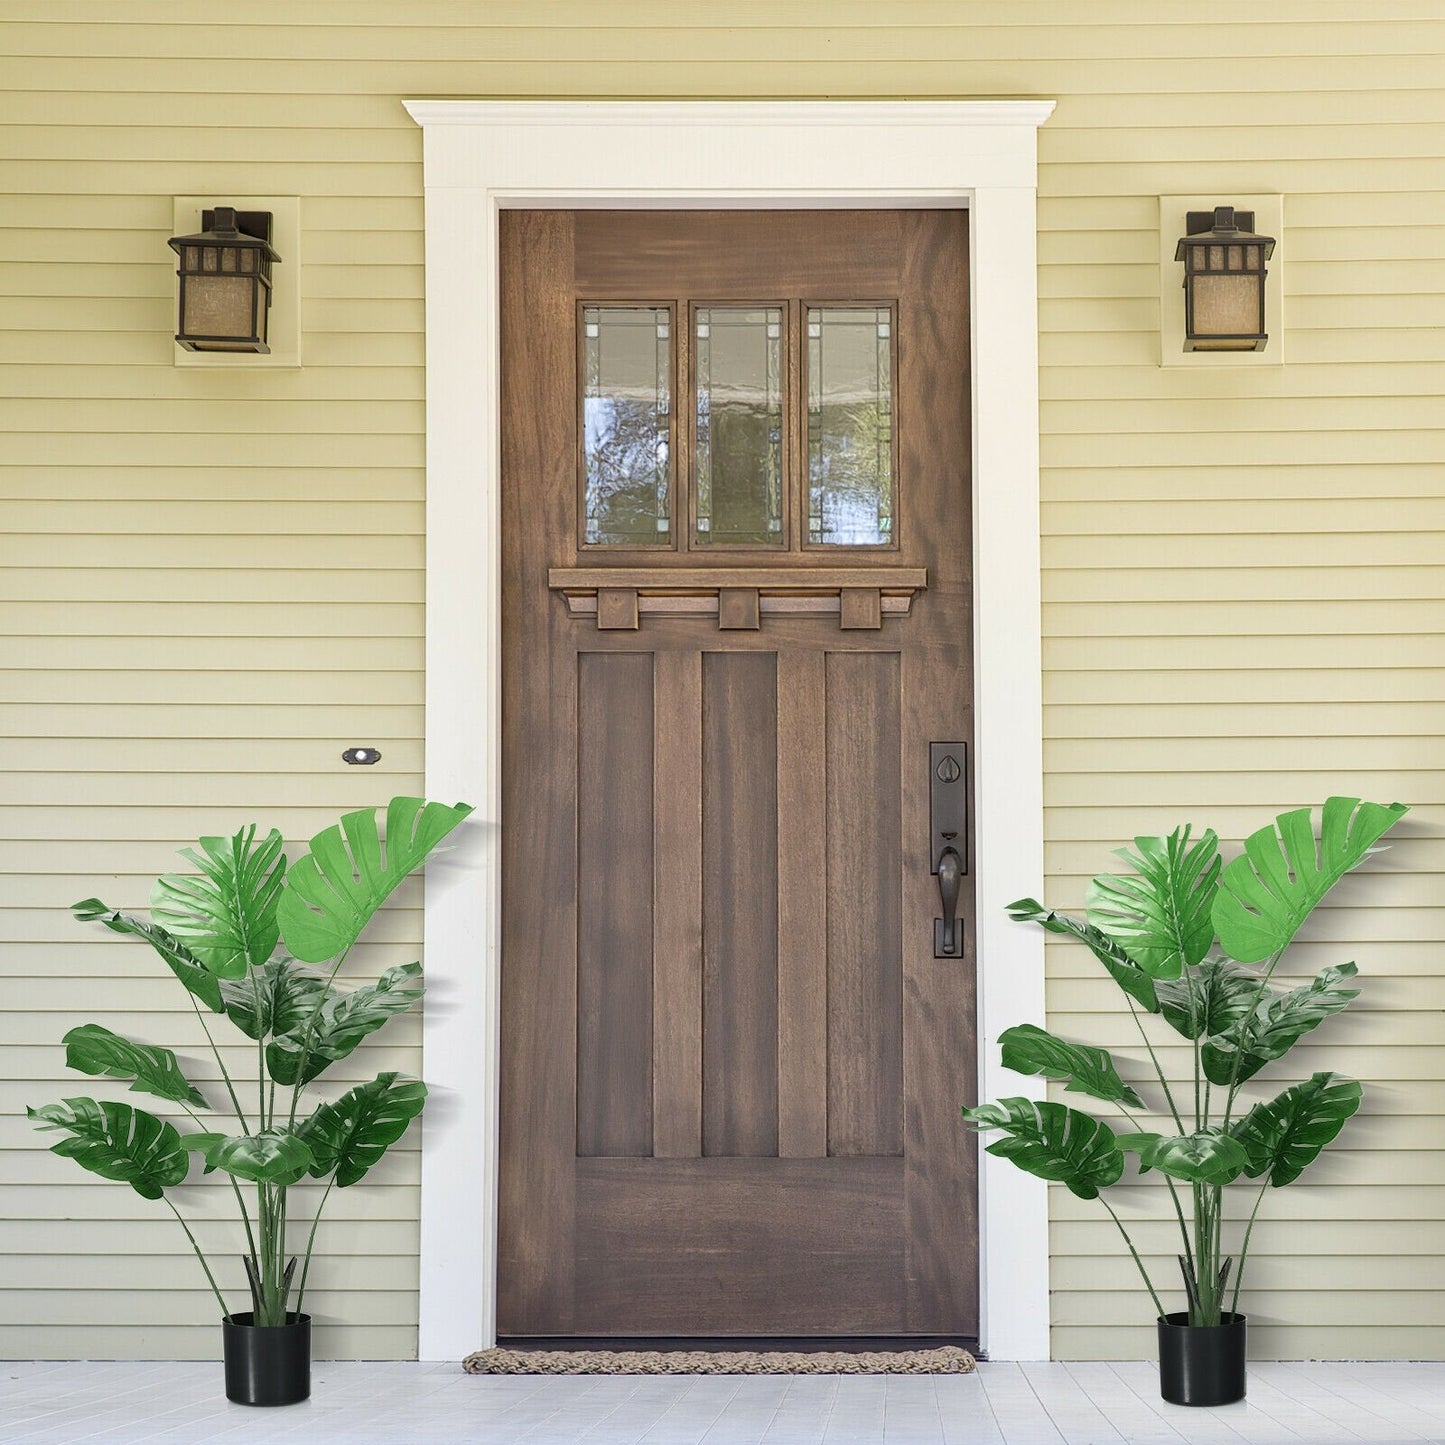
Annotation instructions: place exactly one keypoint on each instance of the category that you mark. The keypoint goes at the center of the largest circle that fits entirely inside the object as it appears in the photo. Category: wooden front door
(736, 617)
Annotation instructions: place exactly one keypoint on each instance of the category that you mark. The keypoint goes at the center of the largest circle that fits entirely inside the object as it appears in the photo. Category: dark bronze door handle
(950, 877)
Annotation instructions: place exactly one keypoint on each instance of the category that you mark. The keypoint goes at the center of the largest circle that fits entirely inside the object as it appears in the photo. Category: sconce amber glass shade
(225, 282)
(1224, 273)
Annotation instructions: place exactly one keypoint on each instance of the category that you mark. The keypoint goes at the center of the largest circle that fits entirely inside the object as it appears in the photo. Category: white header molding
(482, 157)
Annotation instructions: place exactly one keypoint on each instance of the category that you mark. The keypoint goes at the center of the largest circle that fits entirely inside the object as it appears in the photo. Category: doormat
(945, 1360)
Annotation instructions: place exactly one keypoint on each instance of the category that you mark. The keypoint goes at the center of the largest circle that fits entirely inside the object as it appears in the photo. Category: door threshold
(793, 1344)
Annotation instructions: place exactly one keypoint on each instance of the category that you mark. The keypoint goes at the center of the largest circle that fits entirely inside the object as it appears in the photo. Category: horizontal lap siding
(213, 585)
(1243, 582)
(213, 581)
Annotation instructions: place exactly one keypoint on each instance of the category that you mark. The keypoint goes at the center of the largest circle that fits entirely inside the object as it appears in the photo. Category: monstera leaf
(277, 998)
(350, 1135)
(178, 958)
(1160, 914)
(1266, 893)
(1275, 1026)
(1207, 1157)
(1209, 998)
(1030, 1050)
(91, 1049)
(1124, 971)
(117, 1141)
(345, 1019)
(227, 916)
(332, 892)
(272, 1156)
(1139, 1144)
(202, 1144)
(1285, 1135)
(1054, 1142)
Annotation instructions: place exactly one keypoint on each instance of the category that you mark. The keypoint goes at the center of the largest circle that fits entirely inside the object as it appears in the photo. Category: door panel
(705, 1247)
(863, 824)
(731, 1065)
(614, 903)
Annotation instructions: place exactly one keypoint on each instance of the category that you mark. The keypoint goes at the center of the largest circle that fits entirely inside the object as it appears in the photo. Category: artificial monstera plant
(1197, 943)
(239, 936)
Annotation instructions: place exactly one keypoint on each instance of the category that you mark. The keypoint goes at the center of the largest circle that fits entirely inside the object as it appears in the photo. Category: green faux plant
(1178, 933)
(222, 934)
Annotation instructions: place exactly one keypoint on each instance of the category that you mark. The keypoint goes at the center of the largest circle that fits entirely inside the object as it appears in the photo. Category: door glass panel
(850, 426)
(626, 425)
(738, 460)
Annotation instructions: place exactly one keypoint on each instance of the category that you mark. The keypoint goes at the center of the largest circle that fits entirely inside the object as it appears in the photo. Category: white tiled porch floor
(1003, 1404)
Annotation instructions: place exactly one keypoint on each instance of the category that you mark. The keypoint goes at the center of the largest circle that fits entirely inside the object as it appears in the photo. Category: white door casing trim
(481, 157)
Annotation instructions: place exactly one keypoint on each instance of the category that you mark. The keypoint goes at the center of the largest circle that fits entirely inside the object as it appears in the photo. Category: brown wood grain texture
(865, 1023)
(938, 1007)
(860, 608)
(737, 1246)
(801, 573)
(677, 905)
(617, 609)
(740, 903)
(539, 780)
(739, 256)
(787, 788)
(614, 903)
(802, 906)
(737, 609)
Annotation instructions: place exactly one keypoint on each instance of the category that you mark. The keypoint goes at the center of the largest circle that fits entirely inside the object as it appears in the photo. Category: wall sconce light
(225, 282)
(1224, 281)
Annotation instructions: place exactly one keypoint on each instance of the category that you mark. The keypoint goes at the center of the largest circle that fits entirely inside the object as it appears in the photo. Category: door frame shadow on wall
(482, 157)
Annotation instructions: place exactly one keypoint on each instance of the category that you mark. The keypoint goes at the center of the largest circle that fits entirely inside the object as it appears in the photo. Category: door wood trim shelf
(860, 597)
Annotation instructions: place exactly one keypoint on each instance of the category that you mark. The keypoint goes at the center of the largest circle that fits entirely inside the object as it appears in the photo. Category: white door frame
(482, 157)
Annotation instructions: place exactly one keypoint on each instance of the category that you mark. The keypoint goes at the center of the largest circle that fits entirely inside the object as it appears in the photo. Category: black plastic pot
(1201, 1364)
(267, 1364)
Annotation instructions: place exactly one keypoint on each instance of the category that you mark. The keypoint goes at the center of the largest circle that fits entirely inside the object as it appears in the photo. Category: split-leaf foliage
(1180, 933)
(233, 934)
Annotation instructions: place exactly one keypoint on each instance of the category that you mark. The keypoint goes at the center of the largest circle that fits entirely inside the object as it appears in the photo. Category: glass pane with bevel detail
(626, 425)
(850, 426)
(738, 460)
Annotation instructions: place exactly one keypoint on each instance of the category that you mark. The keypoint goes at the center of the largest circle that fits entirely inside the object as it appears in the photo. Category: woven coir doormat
(945, 1360)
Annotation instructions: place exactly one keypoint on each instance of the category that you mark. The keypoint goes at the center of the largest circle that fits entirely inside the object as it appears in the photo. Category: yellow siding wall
(213, 580)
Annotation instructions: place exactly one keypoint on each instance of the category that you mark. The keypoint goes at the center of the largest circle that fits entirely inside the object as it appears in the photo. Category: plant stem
(1244, 1249)
(1173, 1195)
(272, 1249)
(1183, 1227)
(1189, 1251)
(215, 1289)
(284, 1274)
(276, 1257)
(220, 1064)
(260, 1050)
(1154, 1059)
(258, 1256)
(1143, 1273)
(235, 1189)
(1196, 1029)
(310, 1243)
(1207, 1273)
(245, 1216)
